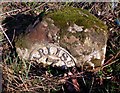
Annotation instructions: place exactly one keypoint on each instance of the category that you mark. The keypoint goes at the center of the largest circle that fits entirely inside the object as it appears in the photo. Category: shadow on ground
(17, 24)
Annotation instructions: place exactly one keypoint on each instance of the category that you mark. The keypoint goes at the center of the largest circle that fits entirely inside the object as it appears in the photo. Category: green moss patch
(69, 15)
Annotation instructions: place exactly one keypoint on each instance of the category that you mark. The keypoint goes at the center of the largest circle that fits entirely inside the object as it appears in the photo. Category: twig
(13, 36)
(76, 86)
(91, 85)
(6, 36)
(83, 77)
(110, 61)
(117, 54)
(21, 10)
(35, 7)
(10, 12)
(25, 86)
(10, 89)
(92, 7)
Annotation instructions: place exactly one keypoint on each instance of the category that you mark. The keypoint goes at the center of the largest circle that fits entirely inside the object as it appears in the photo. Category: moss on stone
(69, 15)
(66, 17)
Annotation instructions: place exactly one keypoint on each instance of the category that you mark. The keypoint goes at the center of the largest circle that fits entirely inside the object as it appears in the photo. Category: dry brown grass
(24, 76)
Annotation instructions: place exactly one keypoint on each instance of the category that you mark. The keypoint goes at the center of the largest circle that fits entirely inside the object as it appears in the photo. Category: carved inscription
(53, 55)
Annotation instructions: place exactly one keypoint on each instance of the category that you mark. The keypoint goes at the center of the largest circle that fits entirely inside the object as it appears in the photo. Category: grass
(27, 76)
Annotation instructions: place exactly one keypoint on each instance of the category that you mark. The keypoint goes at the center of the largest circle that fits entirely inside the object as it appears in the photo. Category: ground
(27, 76)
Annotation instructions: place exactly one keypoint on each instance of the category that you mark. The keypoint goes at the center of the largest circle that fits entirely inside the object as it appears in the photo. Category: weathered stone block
(69, 36)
